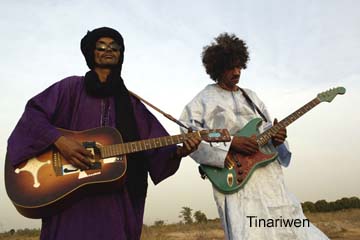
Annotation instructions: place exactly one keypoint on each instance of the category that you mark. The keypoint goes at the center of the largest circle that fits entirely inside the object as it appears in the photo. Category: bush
(324, 206)
(308, 207)
(159, 223)
(200, 217)
(355, 202)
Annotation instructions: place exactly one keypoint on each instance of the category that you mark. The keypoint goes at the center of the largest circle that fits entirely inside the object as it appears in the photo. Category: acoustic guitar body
(44, 184)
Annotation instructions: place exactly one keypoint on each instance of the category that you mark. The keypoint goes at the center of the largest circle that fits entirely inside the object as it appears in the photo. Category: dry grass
(210, 231)
(340, 225)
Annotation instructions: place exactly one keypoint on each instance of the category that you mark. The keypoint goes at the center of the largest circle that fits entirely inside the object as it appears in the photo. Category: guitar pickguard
(33, 166)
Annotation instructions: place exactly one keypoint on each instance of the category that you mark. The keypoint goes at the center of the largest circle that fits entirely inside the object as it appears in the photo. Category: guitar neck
(137, 146)
(264, 137)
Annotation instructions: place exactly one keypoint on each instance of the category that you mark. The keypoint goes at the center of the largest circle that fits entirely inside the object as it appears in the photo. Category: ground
(339, 225)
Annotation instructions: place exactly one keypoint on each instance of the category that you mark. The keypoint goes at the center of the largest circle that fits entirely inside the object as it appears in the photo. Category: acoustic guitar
(47, 183)
(233, 177)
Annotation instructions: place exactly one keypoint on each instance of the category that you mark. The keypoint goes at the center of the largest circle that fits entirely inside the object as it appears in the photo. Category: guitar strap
(168, 116)
(251, 103)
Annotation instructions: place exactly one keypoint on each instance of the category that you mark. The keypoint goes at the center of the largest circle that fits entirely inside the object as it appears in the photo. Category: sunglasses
(102, 47)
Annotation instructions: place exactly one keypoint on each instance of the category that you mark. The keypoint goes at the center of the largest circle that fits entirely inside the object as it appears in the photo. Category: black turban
(88, 43)
(136, 173)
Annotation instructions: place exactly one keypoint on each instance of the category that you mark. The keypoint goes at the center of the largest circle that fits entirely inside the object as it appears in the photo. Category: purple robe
(66, 104)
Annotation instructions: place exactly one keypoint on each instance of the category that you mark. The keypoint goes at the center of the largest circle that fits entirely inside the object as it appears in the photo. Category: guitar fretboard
(264, 137)
(137, 146)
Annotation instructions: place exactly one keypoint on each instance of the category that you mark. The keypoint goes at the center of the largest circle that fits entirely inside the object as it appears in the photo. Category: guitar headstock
(215, 135)
(330, 94)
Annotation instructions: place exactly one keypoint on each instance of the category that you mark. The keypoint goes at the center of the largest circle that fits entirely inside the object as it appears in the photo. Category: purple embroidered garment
(65, 104)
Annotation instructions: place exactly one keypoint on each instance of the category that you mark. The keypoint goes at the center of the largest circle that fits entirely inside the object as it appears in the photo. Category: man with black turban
(80, 103)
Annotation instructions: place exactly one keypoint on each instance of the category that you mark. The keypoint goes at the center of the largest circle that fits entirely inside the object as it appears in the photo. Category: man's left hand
(280, 136)
(190, 145)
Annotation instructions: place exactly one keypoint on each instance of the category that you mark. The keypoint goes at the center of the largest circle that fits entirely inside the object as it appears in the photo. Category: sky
(297, 50)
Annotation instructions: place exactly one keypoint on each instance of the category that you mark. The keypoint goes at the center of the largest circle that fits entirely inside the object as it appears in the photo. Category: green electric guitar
(240, 167)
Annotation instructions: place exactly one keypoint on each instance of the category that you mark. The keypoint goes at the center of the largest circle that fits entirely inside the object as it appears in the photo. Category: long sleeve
(161, 163)
(206, 154)
(284, 154)
(34, 132)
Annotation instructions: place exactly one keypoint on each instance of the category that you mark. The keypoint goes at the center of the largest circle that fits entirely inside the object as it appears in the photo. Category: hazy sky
(297, 49)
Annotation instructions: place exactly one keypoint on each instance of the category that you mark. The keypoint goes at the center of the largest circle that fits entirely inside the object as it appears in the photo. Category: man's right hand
(245, 145)
(74, 152)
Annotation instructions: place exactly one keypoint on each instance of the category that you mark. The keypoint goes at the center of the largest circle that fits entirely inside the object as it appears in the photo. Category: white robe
(265, 194)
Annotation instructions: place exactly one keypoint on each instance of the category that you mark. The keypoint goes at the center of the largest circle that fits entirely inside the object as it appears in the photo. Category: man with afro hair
(224, 104)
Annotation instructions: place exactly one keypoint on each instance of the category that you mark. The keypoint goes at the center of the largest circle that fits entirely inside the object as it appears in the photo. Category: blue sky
(297, 49)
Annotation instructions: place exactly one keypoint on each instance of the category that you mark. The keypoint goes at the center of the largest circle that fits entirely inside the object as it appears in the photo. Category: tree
(355, 202)
(200, 217)
(339, 204)
(333, 206)
(346, 202)
(308, 207)
(159, 223)
(322, 206)
(185, 214)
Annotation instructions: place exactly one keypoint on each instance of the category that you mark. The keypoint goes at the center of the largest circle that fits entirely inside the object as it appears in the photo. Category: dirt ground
(340, 225)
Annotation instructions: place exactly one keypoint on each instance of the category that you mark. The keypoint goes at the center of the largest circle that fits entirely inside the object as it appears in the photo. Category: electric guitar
(44, 184)
(233, 177)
